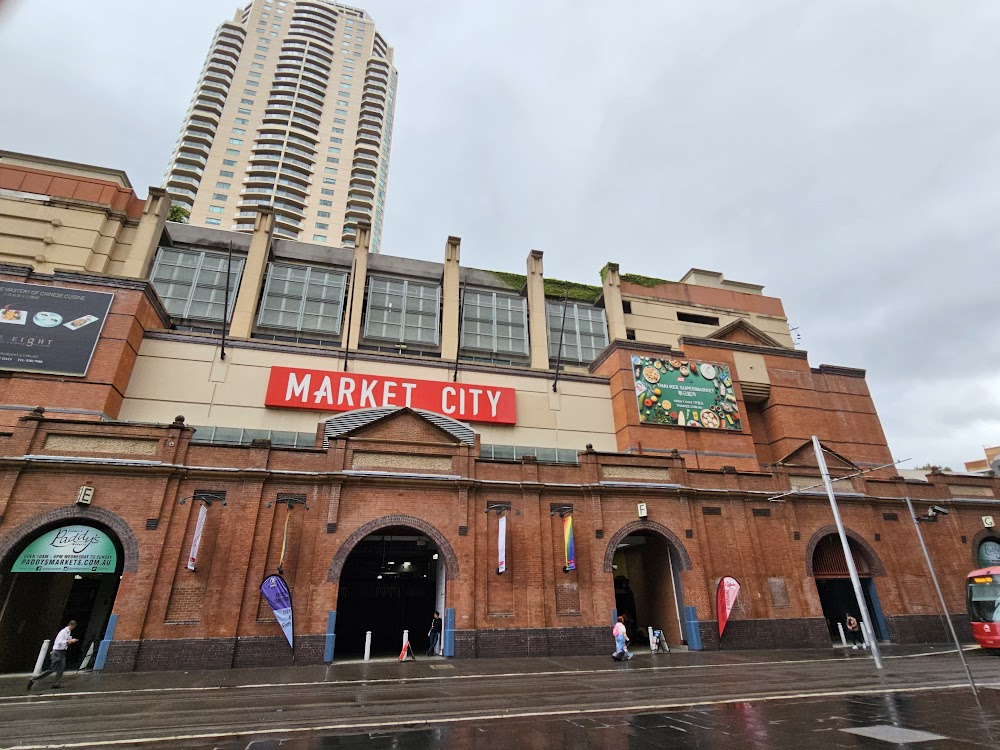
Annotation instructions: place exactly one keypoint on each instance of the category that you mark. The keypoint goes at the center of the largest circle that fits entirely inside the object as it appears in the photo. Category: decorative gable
(805, 456)
(392, 423)
(742, 332)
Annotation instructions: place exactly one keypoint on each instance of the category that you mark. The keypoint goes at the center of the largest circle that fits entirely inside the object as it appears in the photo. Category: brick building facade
(378, 513)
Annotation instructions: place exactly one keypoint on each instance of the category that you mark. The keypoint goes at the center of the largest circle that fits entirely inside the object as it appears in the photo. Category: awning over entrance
(69, 549)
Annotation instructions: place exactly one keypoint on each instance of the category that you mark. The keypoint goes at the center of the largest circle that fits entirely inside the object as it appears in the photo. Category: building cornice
(749, 348)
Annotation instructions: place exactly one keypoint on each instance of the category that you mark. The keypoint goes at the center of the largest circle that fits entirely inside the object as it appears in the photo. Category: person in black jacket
(434, 633)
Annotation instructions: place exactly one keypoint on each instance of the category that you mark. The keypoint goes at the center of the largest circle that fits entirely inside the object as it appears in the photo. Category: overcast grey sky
(844, 153)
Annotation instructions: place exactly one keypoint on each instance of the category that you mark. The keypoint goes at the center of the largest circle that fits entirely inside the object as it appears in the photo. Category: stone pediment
(805, 456)
(398, 423)
(742, 332)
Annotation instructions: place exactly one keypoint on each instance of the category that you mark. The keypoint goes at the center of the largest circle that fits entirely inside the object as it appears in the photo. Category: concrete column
(537, 327)
(359, 281)
(613, 308)
(248, 297)
(147, 234)
(451, 294)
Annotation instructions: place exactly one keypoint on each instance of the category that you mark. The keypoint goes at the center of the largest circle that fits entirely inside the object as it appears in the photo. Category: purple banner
(276, 594)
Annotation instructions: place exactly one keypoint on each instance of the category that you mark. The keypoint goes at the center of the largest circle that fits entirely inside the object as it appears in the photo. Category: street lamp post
(932, 516)
(852, 569)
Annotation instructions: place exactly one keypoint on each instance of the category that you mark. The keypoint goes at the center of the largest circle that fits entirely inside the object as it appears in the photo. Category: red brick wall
(162, 602)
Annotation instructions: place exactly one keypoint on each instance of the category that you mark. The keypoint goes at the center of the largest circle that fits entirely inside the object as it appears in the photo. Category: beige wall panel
(751, 368)
(163, 412)
(585, 415)
(178, 350)
(533, 411)
(176, 380)
(243, 386)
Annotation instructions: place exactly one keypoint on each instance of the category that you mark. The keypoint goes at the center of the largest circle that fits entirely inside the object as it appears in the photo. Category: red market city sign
(320, 390)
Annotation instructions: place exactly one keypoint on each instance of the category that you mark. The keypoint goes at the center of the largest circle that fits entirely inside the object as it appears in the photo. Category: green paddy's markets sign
(685, 393)
(69, 549)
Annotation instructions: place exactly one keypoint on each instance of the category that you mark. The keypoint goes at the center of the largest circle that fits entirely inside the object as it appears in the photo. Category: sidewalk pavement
(383, 668)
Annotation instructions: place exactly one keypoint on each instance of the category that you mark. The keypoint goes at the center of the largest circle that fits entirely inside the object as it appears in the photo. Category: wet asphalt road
(704, 700)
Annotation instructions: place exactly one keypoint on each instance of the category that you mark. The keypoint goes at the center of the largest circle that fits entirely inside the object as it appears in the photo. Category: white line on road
(410, 724)
(445, 678)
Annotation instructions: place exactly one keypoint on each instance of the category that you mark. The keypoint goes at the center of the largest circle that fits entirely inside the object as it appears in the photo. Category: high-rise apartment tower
(293, 109)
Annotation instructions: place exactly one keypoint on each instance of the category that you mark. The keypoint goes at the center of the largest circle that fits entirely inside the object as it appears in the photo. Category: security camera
(937, 510)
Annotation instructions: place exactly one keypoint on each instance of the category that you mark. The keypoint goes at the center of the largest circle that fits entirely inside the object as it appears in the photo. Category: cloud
(842, 152)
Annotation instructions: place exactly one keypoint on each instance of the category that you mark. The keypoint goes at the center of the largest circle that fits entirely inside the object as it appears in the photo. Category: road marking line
(412, 723)
(432, 678)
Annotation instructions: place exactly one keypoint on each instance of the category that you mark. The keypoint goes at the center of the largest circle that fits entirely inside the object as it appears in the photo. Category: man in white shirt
(57, 661)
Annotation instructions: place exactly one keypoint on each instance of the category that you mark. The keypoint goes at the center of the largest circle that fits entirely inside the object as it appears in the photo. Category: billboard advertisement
(685, 393)
(50, 329)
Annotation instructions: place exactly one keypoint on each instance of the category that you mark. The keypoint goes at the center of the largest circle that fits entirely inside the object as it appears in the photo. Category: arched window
(988, 553)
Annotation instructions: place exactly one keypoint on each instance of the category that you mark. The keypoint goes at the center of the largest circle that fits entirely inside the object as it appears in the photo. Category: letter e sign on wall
(321, 390)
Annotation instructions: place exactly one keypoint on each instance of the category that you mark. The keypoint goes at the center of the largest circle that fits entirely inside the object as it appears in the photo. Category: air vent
(599, 533)
(711, 511)
(688, 534)
(762, 512)
(796, 535)
(331, 528)
(463, 530)
(152, 524)
(890, 516)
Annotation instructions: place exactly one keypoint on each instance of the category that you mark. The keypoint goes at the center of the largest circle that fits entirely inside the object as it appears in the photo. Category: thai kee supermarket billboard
(686, 393)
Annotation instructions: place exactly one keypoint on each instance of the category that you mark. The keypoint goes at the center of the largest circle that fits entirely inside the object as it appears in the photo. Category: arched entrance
(827, 564)
(392, 578)
(646, 559)
(60, 571)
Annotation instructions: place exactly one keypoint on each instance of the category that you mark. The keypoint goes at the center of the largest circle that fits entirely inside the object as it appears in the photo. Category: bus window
(984, 601)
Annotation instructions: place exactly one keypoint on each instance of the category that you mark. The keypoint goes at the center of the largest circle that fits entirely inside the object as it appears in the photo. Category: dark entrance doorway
(836, 593)
(647, 586)
(45, 582)
(392, 581)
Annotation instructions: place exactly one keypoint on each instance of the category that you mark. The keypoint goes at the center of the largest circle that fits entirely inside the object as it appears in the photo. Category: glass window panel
(503, 452)
(584, 333)
(404, 311)
(192, 283)
(303, 298)
(494, 322)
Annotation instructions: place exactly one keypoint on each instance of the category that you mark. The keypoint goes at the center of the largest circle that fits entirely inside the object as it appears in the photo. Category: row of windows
(308, 299)
(287, 439)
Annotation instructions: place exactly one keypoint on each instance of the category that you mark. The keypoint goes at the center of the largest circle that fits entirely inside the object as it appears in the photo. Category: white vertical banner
(196, 542)
(502, 545)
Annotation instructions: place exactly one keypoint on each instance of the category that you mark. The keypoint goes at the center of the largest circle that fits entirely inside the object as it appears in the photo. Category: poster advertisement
(686, 393)
(50, 329)
(69, 549)
(502, 545)
(568, 544)
(279, 598)
(729, 589)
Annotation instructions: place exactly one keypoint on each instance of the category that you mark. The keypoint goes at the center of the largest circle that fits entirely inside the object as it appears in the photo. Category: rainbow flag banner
(568, 543)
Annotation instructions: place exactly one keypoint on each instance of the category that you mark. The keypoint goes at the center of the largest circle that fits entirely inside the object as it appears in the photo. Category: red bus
(983, 596)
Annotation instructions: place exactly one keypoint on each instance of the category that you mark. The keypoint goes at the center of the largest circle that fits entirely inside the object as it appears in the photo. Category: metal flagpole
(944, 607)
(855, 580)
(562, 332)
(225, 308)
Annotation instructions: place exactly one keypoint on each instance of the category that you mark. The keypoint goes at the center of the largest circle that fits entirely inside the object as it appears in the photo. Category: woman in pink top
(621, 640)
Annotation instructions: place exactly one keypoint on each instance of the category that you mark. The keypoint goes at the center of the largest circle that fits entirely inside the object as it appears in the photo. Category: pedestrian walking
(621, 641)
(434, 633)
(57, 659)
(854, 629)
